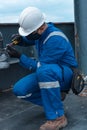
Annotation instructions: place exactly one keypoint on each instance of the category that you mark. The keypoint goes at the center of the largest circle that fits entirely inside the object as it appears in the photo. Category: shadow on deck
(16, 114)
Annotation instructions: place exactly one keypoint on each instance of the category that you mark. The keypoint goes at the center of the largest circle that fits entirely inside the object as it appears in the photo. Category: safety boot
(55, 124)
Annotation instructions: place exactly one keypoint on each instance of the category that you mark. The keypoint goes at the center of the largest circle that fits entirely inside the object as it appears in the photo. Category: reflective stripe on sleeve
(38, 64)
(54, 34)
(47, 85)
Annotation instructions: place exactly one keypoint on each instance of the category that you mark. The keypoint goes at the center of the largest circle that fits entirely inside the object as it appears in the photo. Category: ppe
(30, 20)
(34, 36)
(78, 82)
(13, 52)
(16, 39)
(52, 74)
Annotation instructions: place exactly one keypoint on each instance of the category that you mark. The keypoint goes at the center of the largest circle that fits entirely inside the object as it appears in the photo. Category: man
(52, 73)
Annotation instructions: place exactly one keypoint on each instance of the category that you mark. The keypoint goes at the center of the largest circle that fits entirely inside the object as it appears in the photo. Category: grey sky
(55, 10)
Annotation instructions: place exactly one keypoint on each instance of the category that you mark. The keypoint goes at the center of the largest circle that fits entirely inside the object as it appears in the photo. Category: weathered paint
(80, 9)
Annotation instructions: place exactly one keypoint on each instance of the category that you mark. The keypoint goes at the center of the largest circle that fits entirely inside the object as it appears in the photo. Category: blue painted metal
(80, 7)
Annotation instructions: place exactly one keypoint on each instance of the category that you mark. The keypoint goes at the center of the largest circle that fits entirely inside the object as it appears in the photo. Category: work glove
(16, 39)
(13, 52)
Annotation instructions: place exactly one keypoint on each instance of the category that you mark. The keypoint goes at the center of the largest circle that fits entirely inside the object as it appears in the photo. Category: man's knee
(19, 91)
(49, 72)
(43, 73)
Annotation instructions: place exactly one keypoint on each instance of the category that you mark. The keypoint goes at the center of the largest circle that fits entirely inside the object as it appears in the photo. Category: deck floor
(16, 114)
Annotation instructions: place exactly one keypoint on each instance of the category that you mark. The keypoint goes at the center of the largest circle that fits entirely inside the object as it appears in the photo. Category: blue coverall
(52, 72)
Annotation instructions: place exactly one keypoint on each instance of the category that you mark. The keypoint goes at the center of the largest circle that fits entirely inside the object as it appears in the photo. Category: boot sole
(62, 126)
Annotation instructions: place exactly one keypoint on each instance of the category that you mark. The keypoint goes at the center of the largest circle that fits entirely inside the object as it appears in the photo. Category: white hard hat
(30, 20)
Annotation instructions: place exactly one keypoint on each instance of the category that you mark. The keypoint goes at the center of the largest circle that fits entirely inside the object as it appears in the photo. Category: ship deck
(16, 114)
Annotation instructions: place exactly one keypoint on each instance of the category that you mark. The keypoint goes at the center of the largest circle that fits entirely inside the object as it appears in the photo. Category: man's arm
(21, 41)
(25, 61)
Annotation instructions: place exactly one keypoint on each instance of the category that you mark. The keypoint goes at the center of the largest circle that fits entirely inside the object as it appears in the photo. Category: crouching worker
(52, 73)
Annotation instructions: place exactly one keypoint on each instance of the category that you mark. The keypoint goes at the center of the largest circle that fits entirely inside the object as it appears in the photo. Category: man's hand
(13, 52)
(16, 39)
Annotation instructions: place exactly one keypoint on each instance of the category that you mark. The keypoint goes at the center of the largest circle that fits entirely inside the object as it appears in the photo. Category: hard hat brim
(30, 20)
(22, 32)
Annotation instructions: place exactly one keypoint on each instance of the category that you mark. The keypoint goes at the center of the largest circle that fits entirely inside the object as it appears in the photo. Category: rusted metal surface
(81, 33)
(80, 7)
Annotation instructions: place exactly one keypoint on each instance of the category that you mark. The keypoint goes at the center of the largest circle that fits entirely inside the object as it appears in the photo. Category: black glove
(16, 39)
(13, 52)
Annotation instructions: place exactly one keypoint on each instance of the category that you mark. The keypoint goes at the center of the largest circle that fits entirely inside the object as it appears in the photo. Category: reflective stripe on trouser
(49, 78)
(27, 88)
